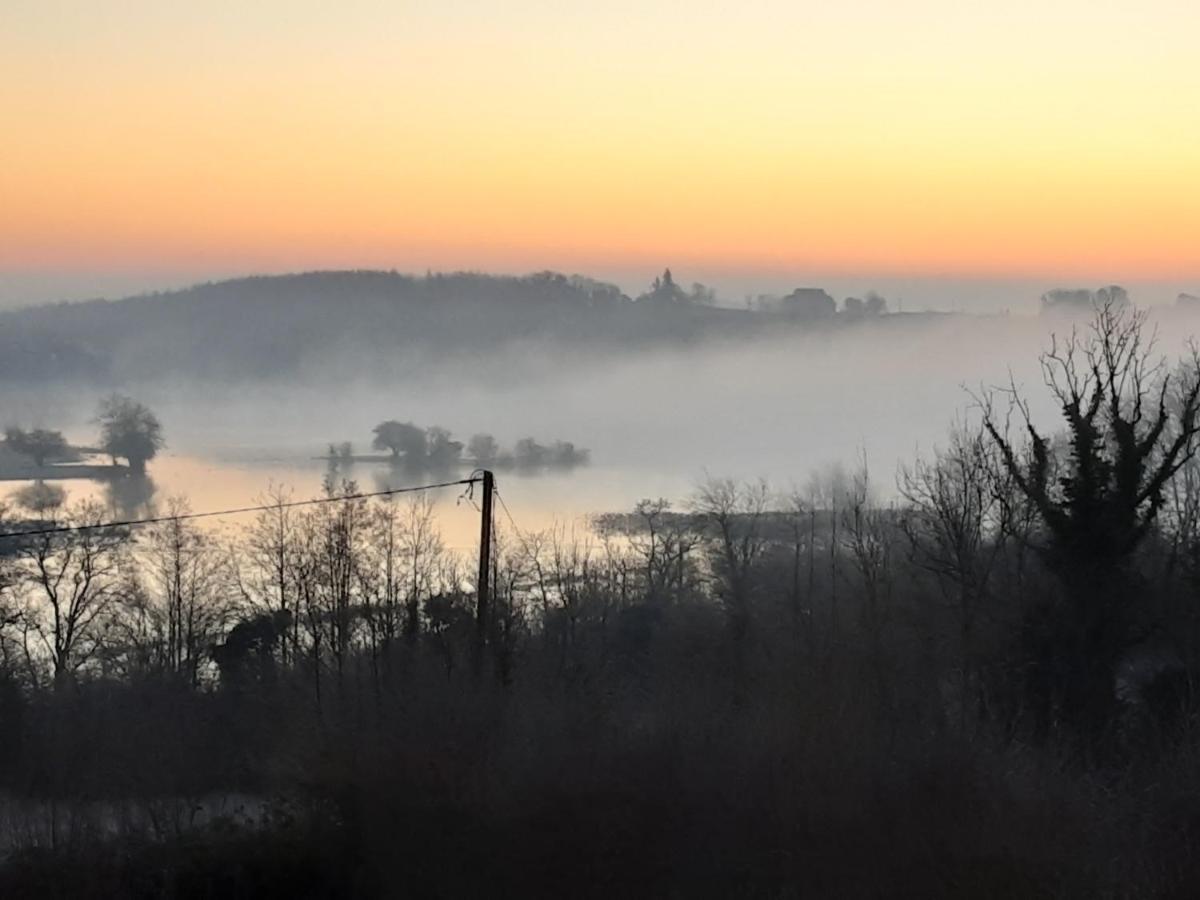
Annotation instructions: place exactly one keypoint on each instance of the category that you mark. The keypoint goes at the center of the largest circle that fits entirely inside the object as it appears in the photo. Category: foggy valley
(677, 483)
(526, 450)
(777, 399)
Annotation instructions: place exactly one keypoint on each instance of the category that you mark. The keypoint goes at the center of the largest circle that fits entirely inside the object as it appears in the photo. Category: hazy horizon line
(933, 292)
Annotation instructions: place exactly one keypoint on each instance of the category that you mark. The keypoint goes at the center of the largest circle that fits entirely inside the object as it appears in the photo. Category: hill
(271, 326)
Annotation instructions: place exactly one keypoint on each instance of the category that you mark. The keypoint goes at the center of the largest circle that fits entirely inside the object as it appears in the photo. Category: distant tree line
(1082, 301)
(275, 326)
(434, 447)
(812, 304)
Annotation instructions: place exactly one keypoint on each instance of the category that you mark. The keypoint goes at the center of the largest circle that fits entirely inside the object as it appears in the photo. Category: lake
(655, 422)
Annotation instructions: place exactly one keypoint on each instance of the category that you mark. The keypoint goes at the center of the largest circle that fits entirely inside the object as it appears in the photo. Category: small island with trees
(129, 431)
(418, 449)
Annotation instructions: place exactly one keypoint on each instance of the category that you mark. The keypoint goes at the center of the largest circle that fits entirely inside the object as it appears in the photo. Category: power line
(504, 506)
(154, 520)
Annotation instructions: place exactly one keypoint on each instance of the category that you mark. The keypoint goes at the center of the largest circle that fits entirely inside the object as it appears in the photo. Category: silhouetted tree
(567, 455)
(71, 581)
(733, 517)
(248, 652)
(130, 430)
(665, 292)
(184, 580)
(483, 449)
(868, 537)
(440, 447)
(400, 438)
(39, 444)
(662, 544)
(421, 552)
(269, 564)
(1081, 301)
(1132, 423)
(530, 453)
(702, 295)
(955, 528)
(858, 307)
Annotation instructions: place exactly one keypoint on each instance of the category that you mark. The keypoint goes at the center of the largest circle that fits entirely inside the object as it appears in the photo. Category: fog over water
(656, 422)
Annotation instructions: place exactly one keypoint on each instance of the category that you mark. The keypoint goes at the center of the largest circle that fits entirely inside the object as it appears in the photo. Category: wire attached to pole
(154, 520)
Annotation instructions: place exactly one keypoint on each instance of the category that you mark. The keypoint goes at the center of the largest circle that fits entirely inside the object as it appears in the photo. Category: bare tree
(663, 542)
(868, 536)
(421, 552)
(450, 614)
(10, 615)
(1132, 423)
(733, 514)
(267, 564)
(954, 522)
(185, 579)
(564, 584)
(335, 535)
(828, 491)
(800, 516)
(70, 582)
(381, 579)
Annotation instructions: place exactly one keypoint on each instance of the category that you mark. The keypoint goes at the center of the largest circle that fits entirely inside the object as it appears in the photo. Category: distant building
(664, 292)
(1189, 302)
(810, 303)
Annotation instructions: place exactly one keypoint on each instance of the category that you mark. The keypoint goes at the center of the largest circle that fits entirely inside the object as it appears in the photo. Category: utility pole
(485, 570)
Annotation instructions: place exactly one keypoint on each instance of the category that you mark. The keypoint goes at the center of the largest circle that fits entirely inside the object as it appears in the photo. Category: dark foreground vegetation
(983, 688)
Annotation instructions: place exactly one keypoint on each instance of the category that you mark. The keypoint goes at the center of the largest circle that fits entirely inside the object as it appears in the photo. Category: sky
(945, 148)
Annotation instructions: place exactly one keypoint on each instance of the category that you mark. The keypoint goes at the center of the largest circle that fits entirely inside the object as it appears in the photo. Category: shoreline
(67, 472)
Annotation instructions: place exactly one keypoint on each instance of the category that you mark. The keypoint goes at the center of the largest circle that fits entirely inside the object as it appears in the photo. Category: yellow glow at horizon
(932, 136)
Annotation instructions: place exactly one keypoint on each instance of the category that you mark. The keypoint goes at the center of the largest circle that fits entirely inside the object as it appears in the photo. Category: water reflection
(131, 496)
(40, 498)
(553, 496)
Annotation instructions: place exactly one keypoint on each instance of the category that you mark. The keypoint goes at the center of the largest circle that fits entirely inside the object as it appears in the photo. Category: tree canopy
(39, 444)
(1132, 422)
(400, 438)
(129, 430)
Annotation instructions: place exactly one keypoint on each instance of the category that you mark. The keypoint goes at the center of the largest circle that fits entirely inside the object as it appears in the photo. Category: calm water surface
(535, 500)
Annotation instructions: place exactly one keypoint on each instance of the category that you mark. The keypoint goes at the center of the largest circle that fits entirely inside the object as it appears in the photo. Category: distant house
(809, 303)
(1190, 302)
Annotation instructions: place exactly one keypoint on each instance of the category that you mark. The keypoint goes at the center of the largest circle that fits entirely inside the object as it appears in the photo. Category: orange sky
(920, 137)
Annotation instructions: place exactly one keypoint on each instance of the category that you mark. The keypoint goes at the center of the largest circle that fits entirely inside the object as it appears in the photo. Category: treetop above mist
(129, 430)
(434, 448)
(1084, 302)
